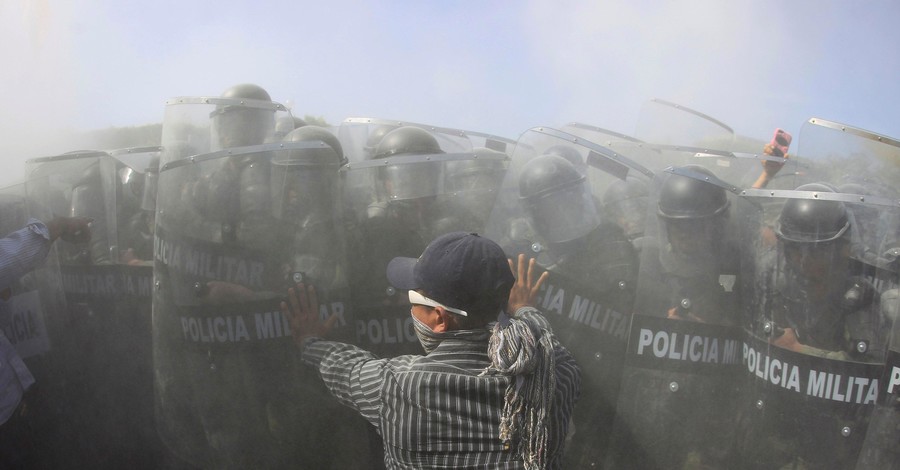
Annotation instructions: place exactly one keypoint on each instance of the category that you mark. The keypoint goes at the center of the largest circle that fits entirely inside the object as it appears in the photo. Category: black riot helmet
(283, 126)
(410, 180)
(305, 180)
(570, 154)
(240, 124)
(683, 197)
(812, 220)
(375, 137)
(312, 133)
(557, 198)
(693, 211)
(625, 202)
(407, 140)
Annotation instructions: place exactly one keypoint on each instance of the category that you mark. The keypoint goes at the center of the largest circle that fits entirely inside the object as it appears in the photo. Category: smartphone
(780, 143)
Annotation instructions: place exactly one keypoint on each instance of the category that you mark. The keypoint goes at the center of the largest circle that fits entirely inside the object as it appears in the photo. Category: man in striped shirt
(492, 391)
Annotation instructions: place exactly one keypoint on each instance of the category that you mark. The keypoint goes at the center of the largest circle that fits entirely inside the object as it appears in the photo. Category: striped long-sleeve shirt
(437, 411)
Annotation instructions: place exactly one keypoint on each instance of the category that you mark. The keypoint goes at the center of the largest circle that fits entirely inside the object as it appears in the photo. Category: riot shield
(548, 209)
(676, 135)
(879, 449)
(405, 185)
(33, 318)
(822, 306)
(360, 136)
(108, 304)
(234, 229)
(678, 388)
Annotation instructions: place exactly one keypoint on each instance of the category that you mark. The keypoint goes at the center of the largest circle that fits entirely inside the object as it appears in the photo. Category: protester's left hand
(302, 309)
(525, 290)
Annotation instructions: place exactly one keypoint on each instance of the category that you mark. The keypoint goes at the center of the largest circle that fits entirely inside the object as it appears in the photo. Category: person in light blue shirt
(21, 252)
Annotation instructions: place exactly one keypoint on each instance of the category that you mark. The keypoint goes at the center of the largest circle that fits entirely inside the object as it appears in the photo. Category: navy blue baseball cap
(460, 270)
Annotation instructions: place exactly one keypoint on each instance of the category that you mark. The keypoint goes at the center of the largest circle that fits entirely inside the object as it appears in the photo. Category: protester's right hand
(70, 229)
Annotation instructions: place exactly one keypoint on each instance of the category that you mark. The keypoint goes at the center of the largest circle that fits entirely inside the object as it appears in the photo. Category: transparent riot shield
(108, 304)
(665, 123)
(880, 449)
(548, 209)
(678, 387)
(137, 173)
(33, 318)
(360, 136)
(234, 229)
(822, 307)
(406, 184)
(398, 205)
(675, 135)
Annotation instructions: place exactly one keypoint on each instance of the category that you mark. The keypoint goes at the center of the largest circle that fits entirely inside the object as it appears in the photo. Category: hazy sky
(498, 67)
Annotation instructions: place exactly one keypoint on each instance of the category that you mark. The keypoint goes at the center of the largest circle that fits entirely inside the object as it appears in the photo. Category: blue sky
(498, 67)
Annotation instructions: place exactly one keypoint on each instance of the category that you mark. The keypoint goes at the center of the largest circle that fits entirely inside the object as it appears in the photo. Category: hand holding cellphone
(780, 143)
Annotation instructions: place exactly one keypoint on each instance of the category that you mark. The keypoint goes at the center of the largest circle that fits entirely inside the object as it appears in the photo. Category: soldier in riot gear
(548, 208)
(694, 251)
(396, 223)
(819, 301)
(237, 126)
(235, 225)
(136, 237)
(624, 202)
(471, 188)
(677, 410)
(560, 206)
(406, 192)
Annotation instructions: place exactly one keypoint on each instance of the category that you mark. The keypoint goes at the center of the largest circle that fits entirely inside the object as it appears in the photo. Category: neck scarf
(523, 350)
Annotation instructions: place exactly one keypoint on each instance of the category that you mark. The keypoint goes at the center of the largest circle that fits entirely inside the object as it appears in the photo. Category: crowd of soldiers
(727, 309)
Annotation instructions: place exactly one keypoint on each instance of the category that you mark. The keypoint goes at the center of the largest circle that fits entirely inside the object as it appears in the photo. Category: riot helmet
(472, 184)
(407, 140)
(283, 126)
(811, 220)
(692, 211)
(569, 154)
(237, 125)
(814, 236)
(557, 199)
(625, 203)
(306, 179)
(409, 180)
(374, 138)
(683, 197)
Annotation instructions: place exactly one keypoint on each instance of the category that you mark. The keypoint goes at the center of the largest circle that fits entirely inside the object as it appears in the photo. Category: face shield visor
(409, 181)
(629, 214)
(304, 182)
(563, 215)
(236, 126)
